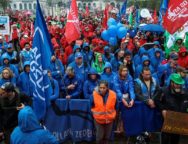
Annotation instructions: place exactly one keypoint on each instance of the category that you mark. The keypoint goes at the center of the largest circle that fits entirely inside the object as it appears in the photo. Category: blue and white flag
(42, 51)
(123, 8)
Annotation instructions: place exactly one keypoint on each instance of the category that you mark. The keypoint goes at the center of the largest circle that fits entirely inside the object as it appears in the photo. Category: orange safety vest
(104, 113)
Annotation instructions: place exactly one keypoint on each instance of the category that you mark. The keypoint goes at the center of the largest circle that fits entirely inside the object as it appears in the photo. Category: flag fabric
(163, 6)
(72, 28)
(155, 19)
(42, 51)
(105, 18)
(176, 15)
(87, 11)
(123, 8)
(130, 19)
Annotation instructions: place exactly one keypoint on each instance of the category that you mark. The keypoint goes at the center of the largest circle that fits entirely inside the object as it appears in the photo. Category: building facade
(55, 7)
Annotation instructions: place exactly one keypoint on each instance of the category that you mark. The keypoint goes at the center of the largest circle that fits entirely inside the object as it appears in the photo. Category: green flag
(130, 19)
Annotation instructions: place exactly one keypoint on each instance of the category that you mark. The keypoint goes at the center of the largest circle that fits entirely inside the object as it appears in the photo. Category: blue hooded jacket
(11, 66)
(108, 76)
(115, 62)
(81, 71)
(111, 56)
(89, 85)
(156, 61)
(72, 56)
(57, 70)
(137, 60)
(87, 55)
(76, 92)
(139, 68)
(123, 87)
(24, 83)
(29, 130)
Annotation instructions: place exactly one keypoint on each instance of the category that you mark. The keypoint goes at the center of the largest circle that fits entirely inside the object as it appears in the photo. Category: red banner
(176, 15)
(72, 29)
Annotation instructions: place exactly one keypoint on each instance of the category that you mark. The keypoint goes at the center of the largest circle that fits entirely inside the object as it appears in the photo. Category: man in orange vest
(104, 111)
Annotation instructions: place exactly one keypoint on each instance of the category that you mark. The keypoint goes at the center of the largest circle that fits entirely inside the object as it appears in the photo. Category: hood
(27, 120)
(96, 58)
(106, 48)
(182, 50)
(107, 65)
(93, 71)
(85, 45)
(75, 48)
(158, 50)
(145, 58)
(5, 56)
(26, 63)
(142, 51)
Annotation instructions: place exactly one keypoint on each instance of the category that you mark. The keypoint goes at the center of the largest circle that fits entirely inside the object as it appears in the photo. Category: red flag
(176, 15)
(72, 28)
(155, 19)
(87, 11)
(105, 18)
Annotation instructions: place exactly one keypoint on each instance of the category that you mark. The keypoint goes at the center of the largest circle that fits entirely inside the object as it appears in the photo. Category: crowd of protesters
(91, 68)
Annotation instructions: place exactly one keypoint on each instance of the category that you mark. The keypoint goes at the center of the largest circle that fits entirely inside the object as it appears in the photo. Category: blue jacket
(72, 56)
(115, 62)
(111, 56)
(24, 83)
(144, 93)
(89, 85)
(137, 59)
(123, 87)
(29, 130)
(81, 71)
(54, 89)
(11, 66)
(156, 61)
(57, 69)
(12, 80)
(76, 92)
(87, 55)
(108, 76)
(139, 68)
(165, 70)
(25, 56)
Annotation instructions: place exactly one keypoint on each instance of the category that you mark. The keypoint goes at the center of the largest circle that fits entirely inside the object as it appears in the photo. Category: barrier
(72, 120)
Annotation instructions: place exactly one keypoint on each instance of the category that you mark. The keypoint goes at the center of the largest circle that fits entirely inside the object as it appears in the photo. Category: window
(34, 5)
(89, 5)
(25, 6)
(15, 7)
(94, 5)
(20, 6)
(30, 6)
(84, 6)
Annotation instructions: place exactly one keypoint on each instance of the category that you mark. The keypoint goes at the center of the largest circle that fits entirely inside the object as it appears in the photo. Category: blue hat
(78, 55)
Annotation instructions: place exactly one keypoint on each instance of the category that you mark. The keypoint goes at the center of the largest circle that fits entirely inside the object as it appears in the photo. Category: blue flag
(123, 8)
(162, 10)
(42, 51)
(164, 6)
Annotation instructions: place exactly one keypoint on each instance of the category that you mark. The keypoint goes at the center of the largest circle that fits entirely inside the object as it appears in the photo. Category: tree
(4, 4)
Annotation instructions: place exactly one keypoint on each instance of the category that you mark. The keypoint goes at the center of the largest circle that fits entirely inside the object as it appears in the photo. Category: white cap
(1, 37)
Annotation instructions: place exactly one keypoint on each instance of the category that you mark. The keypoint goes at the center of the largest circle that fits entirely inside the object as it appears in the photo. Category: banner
(70, 120)
(176, 15)
(140, 118)
(176, 123)
(42, 51)
(4, 25)
(72, 28)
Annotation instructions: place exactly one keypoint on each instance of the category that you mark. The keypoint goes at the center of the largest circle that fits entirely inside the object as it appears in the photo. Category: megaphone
(145, 13)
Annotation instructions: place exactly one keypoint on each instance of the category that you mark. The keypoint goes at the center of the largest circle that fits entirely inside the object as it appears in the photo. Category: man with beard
(174, 98)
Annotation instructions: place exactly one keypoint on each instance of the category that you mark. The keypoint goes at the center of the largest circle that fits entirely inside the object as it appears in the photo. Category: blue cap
(78, 55)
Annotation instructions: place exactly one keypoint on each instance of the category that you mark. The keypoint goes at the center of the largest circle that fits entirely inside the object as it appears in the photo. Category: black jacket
(8, 111)
(170, 100)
